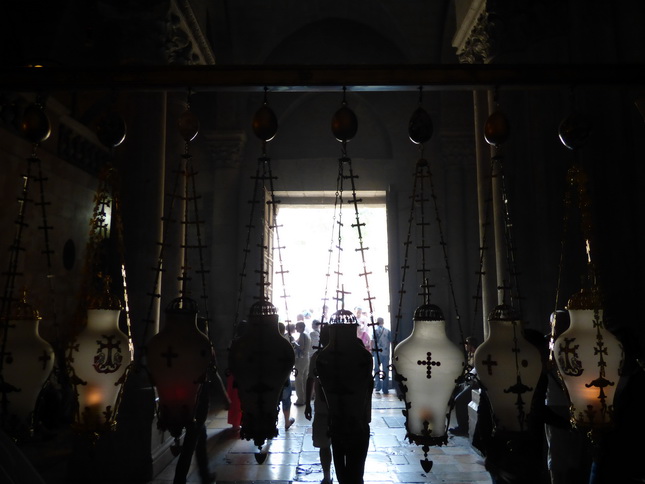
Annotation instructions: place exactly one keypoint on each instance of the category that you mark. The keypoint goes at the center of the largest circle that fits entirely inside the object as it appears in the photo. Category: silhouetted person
(285, 398)
(463, 392)
(382, 341)
(344, 367)
(195, 438)
(303, 354)
(320, 426)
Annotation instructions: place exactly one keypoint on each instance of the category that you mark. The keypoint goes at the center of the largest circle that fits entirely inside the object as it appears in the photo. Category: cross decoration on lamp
(428, 365)
(588, 356)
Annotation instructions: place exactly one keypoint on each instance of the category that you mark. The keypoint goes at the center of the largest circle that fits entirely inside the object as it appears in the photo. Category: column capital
(185, 43)
(473, 39)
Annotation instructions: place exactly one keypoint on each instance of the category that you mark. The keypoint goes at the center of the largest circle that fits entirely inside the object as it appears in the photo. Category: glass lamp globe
(509, 368)
(28, 362)
(427, 364)
(102, 357)
(589, 360)
(261, 360)
(178, 358)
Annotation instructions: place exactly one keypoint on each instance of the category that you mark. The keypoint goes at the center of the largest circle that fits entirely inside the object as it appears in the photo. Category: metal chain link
(508, 236)
(422, 172)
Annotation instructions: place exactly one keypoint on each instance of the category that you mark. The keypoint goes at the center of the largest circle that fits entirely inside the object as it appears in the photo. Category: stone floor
(292, 457)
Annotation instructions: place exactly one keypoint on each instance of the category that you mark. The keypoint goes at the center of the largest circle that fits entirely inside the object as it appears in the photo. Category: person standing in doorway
(362, 330)
(314, 336)
(303, 354)
(381, 352)
(287, 390)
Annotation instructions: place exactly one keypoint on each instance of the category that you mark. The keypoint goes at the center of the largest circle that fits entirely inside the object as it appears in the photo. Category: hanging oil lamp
(178, 360)
(508, 367)
(28, 362)
(589, 357)
(261, 360)
(427, 364)
(589, 360)
(100, 358)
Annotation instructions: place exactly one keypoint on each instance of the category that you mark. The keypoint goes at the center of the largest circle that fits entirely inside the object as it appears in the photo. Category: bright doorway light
(305, 233)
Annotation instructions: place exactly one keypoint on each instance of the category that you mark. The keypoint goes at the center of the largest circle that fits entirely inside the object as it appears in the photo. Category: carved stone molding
(185, 42)
(478, 47)
(471, 40)
(491, 28)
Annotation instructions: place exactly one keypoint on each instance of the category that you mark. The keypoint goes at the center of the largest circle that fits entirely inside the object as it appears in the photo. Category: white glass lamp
(100, 361)
(28, 362)
(589, 359)
(509, 368)
(427, 365)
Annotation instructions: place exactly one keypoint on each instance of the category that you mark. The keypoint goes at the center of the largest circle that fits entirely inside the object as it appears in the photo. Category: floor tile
(292, 458)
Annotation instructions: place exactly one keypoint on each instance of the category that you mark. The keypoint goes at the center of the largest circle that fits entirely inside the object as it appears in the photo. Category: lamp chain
(419, 198)
(346, 173)
(407, 244)
(197, 222)
(444, 249)
(508, 236)
(566, 212)
(155, 294)
(247, 245)
(263, 189)
(482, 252)
(336, 222)
(185, 191)
(12, 272)
(273, 203)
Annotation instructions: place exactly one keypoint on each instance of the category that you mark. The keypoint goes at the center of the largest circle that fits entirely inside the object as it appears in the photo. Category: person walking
(320, 425)
(381, 353)
(303, 355)
(285, 398)
(314, 336)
